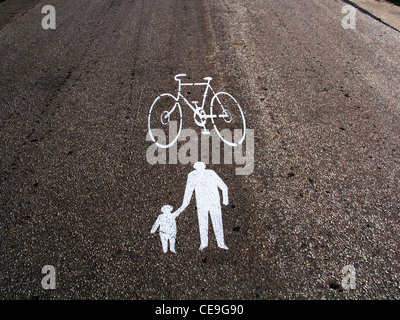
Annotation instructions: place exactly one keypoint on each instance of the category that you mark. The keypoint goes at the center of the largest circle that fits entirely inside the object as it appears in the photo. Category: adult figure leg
(202, 214)
(216, 219)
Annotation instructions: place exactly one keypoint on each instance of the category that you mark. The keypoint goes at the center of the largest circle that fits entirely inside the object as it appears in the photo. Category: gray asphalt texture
(11, 10)
(77, 192)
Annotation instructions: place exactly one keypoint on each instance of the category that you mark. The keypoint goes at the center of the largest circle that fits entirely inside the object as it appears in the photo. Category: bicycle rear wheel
(165, 120)
(227, 114)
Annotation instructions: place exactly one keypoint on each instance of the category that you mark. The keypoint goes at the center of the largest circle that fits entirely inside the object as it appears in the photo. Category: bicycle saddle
(207, 78)
(179, 75)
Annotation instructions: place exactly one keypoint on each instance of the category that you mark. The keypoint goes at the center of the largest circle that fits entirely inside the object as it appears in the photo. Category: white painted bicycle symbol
(224, 113)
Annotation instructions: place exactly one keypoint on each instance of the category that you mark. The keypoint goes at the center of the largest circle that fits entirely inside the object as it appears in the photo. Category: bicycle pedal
(205, 131)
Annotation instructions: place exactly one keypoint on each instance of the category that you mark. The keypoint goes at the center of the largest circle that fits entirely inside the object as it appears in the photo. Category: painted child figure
(166, 222)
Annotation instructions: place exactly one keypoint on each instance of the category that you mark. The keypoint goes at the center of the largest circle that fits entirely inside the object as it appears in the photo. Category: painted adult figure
(205, 184)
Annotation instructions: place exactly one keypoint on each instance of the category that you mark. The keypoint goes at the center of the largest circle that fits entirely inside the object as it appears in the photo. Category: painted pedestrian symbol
(167, 225)
(224, 113)
(205, 184)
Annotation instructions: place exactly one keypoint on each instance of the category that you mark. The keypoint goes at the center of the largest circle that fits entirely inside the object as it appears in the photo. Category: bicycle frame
(197, 110)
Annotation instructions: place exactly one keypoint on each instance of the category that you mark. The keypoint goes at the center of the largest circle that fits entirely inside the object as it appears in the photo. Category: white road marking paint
(216, 110)
(205, 184)
(223, 110)
(167, 225)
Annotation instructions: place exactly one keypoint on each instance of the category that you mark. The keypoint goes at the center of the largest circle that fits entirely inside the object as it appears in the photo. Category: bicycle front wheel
(165, 120)
(228, 119)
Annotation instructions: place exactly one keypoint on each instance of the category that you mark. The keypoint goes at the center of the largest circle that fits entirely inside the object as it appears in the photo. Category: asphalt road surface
(77, 191)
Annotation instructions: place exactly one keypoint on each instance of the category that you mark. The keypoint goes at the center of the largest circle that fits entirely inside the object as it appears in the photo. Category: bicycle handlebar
(179, 75)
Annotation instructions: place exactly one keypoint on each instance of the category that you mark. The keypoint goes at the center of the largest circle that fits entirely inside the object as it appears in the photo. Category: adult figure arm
(190, 185)
(224, 188)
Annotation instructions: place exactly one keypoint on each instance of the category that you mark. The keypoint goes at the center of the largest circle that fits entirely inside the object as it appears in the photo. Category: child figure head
(166, 209)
